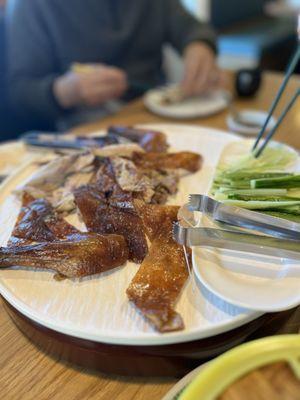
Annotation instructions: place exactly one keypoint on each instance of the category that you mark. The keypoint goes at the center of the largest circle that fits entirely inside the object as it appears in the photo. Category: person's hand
(92, 85)
(200, 69)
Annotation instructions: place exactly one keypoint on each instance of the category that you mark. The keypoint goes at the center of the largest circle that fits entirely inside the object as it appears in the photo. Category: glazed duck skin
(80, 255)
(157, 285)
(106, 208)
(184, 160)
(149, 140)
(153, 216)
(37, 222)
(104, 218)
(30, 225)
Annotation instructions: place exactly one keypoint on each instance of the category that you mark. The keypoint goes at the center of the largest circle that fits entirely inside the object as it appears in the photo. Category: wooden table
(289, 132)
(27, 373)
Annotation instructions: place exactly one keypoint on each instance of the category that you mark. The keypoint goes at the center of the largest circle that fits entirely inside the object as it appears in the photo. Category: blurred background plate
(195, 107)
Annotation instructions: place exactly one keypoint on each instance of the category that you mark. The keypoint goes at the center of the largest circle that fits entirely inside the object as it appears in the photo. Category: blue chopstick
(258, 152)
(290, 70)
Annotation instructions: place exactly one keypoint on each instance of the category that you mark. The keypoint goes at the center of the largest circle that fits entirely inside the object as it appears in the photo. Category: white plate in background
(256, 117)
(196, 107)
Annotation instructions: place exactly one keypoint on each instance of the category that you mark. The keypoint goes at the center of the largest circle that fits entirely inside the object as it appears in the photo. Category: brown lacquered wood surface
(28, 373)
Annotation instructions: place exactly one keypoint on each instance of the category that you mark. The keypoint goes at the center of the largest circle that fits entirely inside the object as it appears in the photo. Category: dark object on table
(247, 82)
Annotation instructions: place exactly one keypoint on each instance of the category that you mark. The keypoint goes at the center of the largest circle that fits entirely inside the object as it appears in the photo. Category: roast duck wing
(43, 239)
(76, 256)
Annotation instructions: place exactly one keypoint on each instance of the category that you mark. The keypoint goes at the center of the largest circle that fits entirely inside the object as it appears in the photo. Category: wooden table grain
(27, 373)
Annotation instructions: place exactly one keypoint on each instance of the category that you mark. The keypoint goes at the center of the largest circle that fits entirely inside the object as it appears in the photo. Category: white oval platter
(96, 308)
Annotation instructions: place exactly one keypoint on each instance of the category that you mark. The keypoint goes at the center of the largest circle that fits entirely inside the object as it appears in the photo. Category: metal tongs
(270, 235)
(69, 142)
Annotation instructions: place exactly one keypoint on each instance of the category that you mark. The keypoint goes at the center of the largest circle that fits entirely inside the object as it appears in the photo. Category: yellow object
(82, 68)
(228, 368)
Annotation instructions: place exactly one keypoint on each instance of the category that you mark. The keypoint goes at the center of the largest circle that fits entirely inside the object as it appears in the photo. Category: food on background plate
(172, 95)
(118, 192)
(267, 184)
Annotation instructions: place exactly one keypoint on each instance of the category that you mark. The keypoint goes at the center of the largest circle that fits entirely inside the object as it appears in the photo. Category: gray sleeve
(31, 62)
(183, 28)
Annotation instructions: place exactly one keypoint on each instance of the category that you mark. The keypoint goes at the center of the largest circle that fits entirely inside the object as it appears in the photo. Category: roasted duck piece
(120, 150)
(79, 255)
(106, 208)
(56, 180)
(37, 222)
(30, 225)
(147, 139)
(172, 95)
(53, 175)
(150, 185)
(184, 160)
(163, 273)
(153, 216)
(154, 175)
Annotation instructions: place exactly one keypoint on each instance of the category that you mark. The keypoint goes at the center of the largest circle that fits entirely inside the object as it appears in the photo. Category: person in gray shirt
(119, 42)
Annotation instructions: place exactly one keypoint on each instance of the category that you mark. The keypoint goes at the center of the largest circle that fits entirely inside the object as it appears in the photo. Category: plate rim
(241, 304)
(157, 339)
(238, 303)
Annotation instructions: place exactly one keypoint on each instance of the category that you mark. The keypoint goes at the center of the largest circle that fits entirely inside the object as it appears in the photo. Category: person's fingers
(202, 80)
(191, 71)
(99, 83)
(107, 91)
(198, 75)
(98, 94)
(100, 75)
(223, 80)
(212, 81)
(108, 74)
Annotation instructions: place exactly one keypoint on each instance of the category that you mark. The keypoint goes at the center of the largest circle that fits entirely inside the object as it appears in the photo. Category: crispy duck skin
(106, 208)
(101, 217)
(80, 255)
(37, 222)
(149, 140)
(153, 216)
(30, 225)
(156, 286)
(185, 160)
